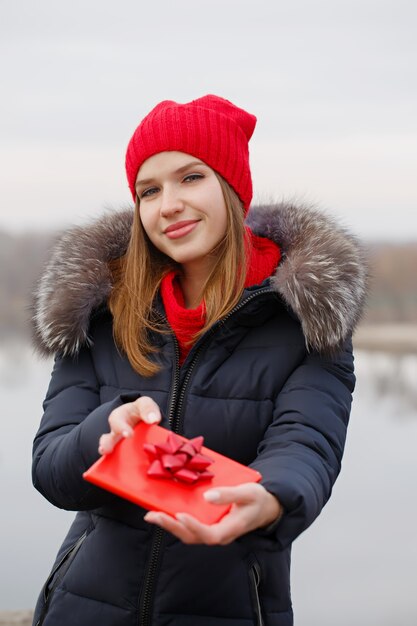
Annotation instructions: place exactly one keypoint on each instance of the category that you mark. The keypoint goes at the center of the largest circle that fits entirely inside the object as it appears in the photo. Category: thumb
(229, 495)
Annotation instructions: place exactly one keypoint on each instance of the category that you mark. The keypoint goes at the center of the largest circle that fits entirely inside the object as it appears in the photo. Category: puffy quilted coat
(269, 386)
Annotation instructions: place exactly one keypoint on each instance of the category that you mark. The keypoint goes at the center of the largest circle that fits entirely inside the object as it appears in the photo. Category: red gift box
(125, 473)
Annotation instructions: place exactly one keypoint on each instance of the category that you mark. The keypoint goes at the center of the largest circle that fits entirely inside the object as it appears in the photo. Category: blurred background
(333, 86)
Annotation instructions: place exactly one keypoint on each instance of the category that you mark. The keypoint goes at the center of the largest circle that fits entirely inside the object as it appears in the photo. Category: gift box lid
(125, 473)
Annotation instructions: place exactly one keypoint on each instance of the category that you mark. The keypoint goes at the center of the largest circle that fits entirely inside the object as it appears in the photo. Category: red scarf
(264, 258)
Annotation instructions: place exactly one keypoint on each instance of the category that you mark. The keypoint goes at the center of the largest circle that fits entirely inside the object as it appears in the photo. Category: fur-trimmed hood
(322, 276)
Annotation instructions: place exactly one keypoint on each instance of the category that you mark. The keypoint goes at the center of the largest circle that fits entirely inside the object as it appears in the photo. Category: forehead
(166, 161)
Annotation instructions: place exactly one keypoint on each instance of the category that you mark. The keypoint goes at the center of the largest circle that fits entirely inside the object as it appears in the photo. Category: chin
(185, 256)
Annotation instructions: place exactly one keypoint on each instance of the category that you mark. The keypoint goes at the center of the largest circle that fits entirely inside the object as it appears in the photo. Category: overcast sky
(333, 84)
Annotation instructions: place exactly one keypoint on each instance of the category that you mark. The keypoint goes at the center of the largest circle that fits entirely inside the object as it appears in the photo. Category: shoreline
(16, 618)
(392, 337)
(388, 338)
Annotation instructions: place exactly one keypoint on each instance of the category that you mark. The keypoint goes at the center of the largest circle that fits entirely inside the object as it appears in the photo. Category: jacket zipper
(178, 422)
(67, 558)
(175, 421)
(158, 533)
(255, 579)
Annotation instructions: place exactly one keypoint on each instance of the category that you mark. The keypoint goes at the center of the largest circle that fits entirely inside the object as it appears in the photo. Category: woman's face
(182, 208)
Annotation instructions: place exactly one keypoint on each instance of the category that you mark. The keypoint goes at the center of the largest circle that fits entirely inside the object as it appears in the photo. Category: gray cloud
(332, 85)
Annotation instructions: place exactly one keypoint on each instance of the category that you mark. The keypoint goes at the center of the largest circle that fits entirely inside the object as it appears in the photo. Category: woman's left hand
(252, 507)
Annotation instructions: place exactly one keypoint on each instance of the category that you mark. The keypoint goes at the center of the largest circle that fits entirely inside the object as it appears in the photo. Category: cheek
(146, 220)
(221, 220)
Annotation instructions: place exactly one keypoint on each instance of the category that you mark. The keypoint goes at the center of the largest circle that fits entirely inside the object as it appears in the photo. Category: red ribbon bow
(178, 459)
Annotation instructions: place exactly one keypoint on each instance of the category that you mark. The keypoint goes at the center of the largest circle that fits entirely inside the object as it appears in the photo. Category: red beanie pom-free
(210, 128)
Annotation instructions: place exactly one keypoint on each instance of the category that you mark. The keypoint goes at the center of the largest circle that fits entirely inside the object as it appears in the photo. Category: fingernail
(212, 496)
(101, 450)
(126, 433)
(151, 418)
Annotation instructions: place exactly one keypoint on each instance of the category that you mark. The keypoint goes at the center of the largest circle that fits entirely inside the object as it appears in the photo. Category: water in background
(357, 564)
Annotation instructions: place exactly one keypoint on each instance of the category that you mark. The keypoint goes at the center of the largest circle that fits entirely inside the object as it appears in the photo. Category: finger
(108, 441)
(171, 525)
(125, 417)
(120, 427)
(222, 533)
(147, 410)
(201, 533)
(242, 494)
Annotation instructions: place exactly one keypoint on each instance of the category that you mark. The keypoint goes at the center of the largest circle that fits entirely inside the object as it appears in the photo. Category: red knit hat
(210, 128)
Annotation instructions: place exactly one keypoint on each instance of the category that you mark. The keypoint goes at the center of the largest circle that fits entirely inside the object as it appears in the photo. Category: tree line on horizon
(392, 297)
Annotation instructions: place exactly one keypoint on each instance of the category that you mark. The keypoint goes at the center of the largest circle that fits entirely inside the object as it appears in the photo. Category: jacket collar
(322, 276)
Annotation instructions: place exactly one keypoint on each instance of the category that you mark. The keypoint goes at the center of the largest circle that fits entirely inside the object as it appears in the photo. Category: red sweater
(264, 258)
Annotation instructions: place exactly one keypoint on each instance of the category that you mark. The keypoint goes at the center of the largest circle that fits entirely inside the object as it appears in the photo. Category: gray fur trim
(322, 276)
(77, 281)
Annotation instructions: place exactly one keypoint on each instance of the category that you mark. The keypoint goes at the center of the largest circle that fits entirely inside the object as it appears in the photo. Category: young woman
(181, 313)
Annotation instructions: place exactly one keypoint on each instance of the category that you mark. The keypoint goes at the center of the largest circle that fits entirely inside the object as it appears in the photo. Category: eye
(192, 177)
(150, 191)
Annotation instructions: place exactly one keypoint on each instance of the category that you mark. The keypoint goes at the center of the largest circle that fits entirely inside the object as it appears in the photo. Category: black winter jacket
(270, 386)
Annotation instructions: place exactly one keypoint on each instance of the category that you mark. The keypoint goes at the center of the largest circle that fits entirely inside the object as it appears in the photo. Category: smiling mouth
(180, 229)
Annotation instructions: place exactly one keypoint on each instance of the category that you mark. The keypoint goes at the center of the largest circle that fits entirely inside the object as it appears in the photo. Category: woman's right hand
(124, 418)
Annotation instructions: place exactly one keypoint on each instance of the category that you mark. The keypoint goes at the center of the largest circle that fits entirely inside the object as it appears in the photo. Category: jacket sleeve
(301, 452)
(66, 443)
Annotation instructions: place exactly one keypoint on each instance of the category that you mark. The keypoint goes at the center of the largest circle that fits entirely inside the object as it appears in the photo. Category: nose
(171, 202)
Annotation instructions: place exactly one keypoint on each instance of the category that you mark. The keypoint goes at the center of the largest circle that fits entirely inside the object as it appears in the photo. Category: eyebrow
(180, 170)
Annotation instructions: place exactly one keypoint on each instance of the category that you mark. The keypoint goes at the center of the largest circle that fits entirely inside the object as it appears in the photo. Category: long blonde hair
(137, 276)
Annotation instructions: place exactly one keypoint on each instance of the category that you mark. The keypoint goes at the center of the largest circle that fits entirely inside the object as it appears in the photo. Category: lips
(180, 229)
